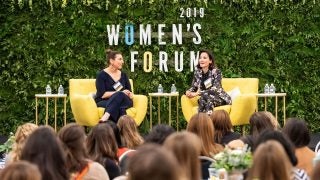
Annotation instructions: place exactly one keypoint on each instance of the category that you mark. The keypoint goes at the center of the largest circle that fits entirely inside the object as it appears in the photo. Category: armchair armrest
(84, 109)
(140, 102)
(242, 108)
(187, 104)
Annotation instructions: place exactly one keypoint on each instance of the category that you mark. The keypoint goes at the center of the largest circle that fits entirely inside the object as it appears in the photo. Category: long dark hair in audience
(297, 131)
(101, 143)
(159, 133)
(222, 124)
(259, 121)
(282, 139)
(73, 138)
(20, 170)
(43, 149)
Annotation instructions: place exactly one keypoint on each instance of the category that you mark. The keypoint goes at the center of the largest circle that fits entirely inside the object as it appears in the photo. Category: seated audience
(186, 148)
(201, 125)
(102, 148)
(270, 162)
(121, 148)
(151, 161)
(20, 170)
(129, 132)
(159, 133)
(316, 172)
(297, 174)
(298, 133)
(21, 135)
(43, 149)
(79, 165)
(223, 127)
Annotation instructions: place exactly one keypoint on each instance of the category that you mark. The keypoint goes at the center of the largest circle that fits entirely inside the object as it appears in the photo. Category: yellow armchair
(85, 110)
(243, 106)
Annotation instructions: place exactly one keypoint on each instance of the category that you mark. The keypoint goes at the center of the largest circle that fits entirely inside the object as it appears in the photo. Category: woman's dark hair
(297, 131)
(111, 55)
(282, 139)
(211, 57)
(43, 149)
(73, 137)
(159, 133)
(116, 132)
(259, 121)
(101, 143)
(222, 124)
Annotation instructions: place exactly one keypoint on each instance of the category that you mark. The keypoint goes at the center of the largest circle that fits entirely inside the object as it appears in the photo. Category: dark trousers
(116, 105)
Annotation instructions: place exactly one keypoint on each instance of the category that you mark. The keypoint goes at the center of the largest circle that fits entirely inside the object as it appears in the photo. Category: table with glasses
(55, 97)
(168, 95)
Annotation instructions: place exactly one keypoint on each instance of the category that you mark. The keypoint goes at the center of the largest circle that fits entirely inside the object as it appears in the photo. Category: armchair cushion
(85, 110)
(243, 105)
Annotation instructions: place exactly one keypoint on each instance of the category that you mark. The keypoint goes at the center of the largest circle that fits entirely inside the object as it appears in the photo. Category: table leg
(65, 110)
(47, 110)
(159, 111)
(36, 111)
(177, 112)
(169, 110)
(284, 110)
(276, 108)
(150, 111)
(265, 103)
(55, 114)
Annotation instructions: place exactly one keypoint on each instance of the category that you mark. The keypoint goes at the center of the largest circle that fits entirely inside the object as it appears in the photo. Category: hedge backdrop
(49, 42)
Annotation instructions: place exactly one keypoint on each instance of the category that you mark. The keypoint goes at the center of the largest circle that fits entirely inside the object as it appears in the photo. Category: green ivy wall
(49, 42)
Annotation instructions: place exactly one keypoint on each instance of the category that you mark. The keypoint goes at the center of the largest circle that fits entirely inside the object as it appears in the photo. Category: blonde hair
(21, 135)
(186, 147)
(130, 136)
(270, 162)
(201, 125)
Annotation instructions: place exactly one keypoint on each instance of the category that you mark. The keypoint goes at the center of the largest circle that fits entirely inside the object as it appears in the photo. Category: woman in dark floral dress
(206, 83)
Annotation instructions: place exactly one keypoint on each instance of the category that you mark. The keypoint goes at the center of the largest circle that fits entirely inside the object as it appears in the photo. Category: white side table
(169, 95)
(275, 95)
(55, 97)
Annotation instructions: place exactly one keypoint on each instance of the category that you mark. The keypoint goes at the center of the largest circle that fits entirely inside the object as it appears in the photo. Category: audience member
(297, 174)
(273, 119)
(151, 161)
(298, 133)
(129, 132)
(121, 148)
(159, 133)
(43, 149)
(223, 127)
(186, 148)
(20, 170)
(201, 125)
(270, 162)
(21, 135)
(316, 172)
(102, 148)
(79, 166)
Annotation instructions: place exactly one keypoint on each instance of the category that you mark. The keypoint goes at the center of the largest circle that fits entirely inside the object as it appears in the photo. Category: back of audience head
(201, 125)
(222, 123)
(21, 135)
(159, 133)
(297, 131)
(43, 149)
(130, 136)
(316, 172)
(151, 161)
(73, 138)
(282, 139)
(259, 121)
(101, 143)
(273, 119)
(116, 132)
(270, 162)
(20, 170)
(186, 147)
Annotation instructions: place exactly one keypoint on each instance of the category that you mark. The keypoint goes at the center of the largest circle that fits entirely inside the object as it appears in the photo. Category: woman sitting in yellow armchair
(113, 88)
(207, 84)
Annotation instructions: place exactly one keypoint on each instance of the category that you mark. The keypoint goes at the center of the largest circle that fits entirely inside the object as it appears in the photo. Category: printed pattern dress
(211, 92)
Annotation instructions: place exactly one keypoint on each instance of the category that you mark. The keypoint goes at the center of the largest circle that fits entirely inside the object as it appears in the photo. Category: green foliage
(276, 41)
